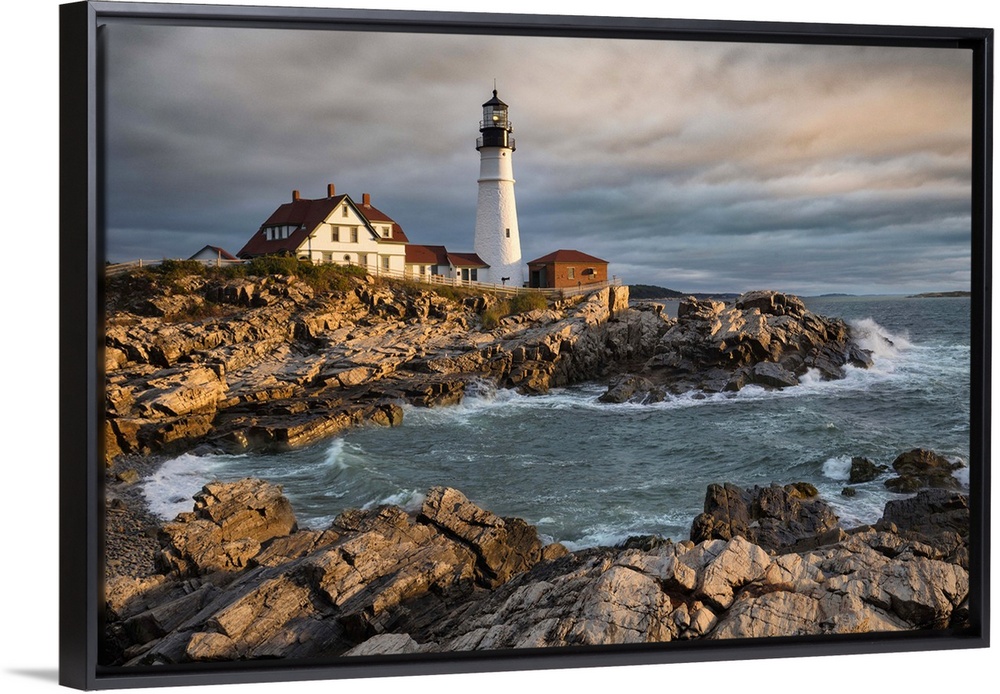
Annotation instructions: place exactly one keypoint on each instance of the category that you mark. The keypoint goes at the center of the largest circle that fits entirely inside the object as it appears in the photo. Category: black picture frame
(81, 390)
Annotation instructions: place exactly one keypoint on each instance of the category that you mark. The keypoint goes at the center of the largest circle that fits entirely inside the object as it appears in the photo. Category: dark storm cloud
(696, 166)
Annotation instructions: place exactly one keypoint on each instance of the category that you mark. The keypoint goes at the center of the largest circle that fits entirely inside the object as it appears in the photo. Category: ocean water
(588, 473)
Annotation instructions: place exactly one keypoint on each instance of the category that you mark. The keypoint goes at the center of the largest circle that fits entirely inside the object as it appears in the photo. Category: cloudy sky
(696, 166)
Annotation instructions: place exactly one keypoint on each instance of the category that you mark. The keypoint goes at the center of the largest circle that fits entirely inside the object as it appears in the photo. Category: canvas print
(429, 343)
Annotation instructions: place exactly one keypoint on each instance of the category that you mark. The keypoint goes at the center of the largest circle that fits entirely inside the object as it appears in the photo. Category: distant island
(934, 295)
(651, 291)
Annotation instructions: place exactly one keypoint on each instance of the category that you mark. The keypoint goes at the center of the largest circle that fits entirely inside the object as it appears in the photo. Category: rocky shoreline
(236, 578)
(273, 364)
(277, 364)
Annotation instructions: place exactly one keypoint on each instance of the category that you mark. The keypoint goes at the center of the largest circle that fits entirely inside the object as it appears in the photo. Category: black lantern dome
(495, 126)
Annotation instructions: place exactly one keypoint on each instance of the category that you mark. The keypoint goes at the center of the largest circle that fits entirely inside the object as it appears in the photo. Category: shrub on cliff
(176, 269)
(519, 303)
(323, 278)
(522, 303)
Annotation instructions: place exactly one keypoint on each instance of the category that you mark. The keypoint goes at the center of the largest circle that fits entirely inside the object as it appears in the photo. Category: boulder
(920, 469)
(775, 517)
(227, 528)
(931, 512)
(632, 388)
(771, 303)
(864, 470)
(771, 375)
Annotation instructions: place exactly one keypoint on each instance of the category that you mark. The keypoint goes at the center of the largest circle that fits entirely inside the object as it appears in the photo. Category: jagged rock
(771, 303)
(503, 546)
(772, 375)
(226, 529)
(930, 512)
(628, 387)
(864, 470)
(920, 469)
(773, 517)
(390, 644)
(765, 338)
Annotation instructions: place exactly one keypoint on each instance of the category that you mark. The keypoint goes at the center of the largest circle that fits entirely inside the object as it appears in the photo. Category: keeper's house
(566, 268)
(334, 229)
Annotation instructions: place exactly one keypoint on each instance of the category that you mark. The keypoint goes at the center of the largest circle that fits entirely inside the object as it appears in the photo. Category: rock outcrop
(775, 517)
(456, 577)
(280, 365)
(764, 338)
(920, 469)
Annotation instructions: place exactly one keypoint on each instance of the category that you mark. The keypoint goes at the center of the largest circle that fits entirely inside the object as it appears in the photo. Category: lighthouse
(497, 241)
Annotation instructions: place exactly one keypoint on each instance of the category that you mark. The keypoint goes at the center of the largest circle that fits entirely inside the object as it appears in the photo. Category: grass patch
(177, 269)
(517, 304)
(322, 278)
(522, 303)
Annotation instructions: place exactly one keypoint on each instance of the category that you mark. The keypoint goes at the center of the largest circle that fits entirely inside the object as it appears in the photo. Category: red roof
(310, 214)
(426, 255)
(566, 256)
(466, 260)
(374, 215)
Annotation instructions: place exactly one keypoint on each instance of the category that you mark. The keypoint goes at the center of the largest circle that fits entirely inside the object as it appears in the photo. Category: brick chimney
(366, 199)
(295, 195)
(330, 190)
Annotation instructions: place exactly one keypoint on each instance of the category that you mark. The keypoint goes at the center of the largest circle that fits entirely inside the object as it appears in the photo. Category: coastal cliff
(212, 363)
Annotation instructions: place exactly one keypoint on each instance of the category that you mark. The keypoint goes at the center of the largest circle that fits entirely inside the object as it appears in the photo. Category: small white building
(422, 261)
(333, 229)
(209, 253)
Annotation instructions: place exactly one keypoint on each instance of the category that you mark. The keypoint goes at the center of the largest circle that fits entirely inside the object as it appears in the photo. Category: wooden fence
(440, 280)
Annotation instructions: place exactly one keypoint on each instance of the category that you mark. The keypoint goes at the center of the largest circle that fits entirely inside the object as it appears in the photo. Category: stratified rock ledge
(239, 581)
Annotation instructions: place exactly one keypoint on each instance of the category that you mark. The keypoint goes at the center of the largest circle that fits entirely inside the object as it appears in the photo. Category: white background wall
(28, 630)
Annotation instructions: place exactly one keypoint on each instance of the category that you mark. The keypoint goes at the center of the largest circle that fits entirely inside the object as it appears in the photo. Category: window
(507, 232)
(474, 274)
(343, 211)
(335, 234)
(385, 262)
(354, 234)
(423, 269)
(571, 272)
(347, 258)
(328, 257)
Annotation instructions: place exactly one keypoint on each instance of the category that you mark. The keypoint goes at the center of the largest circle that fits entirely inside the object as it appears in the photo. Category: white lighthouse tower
(497, 241)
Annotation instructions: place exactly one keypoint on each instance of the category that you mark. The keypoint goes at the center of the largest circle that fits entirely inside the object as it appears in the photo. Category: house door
(537, 278)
